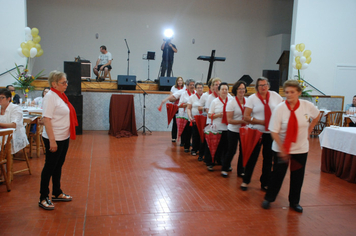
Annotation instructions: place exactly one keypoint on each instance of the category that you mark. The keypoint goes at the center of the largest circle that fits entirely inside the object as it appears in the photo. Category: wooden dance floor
(146, 185)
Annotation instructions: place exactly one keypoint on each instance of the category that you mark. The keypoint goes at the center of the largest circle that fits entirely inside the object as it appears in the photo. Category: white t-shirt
(279, 123)
(195, 102)
(233, 106)
(258, 109)
(217, 107)
(174, 89)
(203, 99)
(38, 100)
(105, 58)
(56, 109)
(184, 98)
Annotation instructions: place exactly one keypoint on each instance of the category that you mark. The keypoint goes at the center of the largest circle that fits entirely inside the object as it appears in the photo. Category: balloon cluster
(31, 47)
(302, 58)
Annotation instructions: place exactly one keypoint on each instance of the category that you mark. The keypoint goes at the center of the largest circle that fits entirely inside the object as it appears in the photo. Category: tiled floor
(146, 185)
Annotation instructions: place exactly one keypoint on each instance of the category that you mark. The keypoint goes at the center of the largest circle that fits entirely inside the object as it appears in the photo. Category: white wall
(237, 29)
(276, 44)
(13, 20)
(327, 29)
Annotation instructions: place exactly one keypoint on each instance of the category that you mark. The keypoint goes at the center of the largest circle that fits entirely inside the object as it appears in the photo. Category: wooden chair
(101, 74)
(5, 152)
(39, 131)
(334, 118)
(27, 123)
(347, 121)
(318, 128)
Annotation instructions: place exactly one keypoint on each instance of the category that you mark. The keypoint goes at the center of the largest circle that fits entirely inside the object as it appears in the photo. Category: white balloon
(292, 48)
(33, 52)
(296, 53)
(294, 65)
(304, 66)
(28, 31)
(19, 51)
(302, 59)
(300, 54)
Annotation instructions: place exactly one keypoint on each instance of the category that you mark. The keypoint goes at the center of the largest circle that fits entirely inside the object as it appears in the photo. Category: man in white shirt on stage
(103, 63)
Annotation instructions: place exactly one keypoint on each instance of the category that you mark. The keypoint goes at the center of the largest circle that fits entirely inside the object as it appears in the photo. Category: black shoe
(173, 140)
(193, 153)
(181, 145)
(211, 168)
(96, 79)
(200, 158)
(243, 186)
(265, 204)
(224, 174)
(186, 150)
(296, 207)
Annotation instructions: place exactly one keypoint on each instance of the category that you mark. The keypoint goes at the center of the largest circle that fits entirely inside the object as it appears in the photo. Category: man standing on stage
(167, 56)
(103, 63)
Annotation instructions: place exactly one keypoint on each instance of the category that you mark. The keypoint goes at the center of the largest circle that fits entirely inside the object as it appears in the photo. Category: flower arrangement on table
(316, 100)
(302, 60)
(24, 79)
(30, 48)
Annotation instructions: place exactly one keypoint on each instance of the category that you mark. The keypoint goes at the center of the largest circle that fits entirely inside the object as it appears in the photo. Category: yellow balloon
(23, 44)
(307, 53)
(297, 47)
(34, 32)
(36, 39)
(26, 52)
(297, 59)
(298, 66)
(308, 60)
(39, 53)
(301, 47)
(38, 46)
(30, 44)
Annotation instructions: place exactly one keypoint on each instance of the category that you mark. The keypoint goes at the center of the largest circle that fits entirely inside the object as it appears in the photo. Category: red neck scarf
(200, 112)
(224, 118)
(292, 128)
(189, 93)
(179, 88)
(215, 94)
(267, 109)
(210, 92)
(242, 108)
(72, 114)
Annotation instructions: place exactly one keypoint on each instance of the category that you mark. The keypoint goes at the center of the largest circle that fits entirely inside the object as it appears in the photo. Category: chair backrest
(5, 146)
(27, 124)
(334, 118)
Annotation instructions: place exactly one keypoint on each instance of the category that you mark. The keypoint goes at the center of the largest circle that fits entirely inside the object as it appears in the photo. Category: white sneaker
(224, 174)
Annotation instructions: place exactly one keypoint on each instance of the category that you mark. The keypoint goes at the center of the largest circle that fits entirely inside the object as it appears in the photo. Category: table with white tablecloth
(339, 152)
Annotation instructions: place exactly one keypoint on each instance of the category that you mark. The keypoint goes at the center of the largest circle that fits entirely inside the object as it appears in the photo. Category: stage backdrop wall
(236, 29)
(13, 18)
(327, 30)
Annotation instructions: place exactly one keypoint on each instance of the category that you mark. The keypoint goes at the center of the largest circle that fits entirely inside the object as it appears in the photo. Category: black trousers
(220, 151)
(197, 145)
(53, 168)
(267, 154)
(186, 136)
(166, 65)
(174, 128)
(233, 140)
(296, 177)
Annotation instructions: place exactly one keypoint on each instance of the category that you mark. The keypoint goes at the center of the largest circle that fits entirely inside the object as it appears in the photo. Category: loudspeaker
(126, 82)
(73, 71)
(166, 83)
(77, 102)
(273, 78)
(247, 79)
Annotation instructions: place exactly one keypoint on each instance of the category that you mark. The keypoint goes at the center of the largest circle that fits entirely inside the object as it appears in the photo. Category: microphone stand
(143, 127)
(128, 58)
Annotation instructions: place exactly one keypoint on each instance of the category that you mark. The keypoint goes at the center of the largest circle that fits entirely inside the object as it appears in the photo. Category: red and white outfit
(298, 151)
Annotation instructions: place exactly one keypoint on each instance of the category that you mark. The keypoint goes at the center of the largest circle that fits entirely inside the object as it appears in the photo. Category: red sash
(267, 109)
(242, 108)
(292, 128)
(224, 118)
